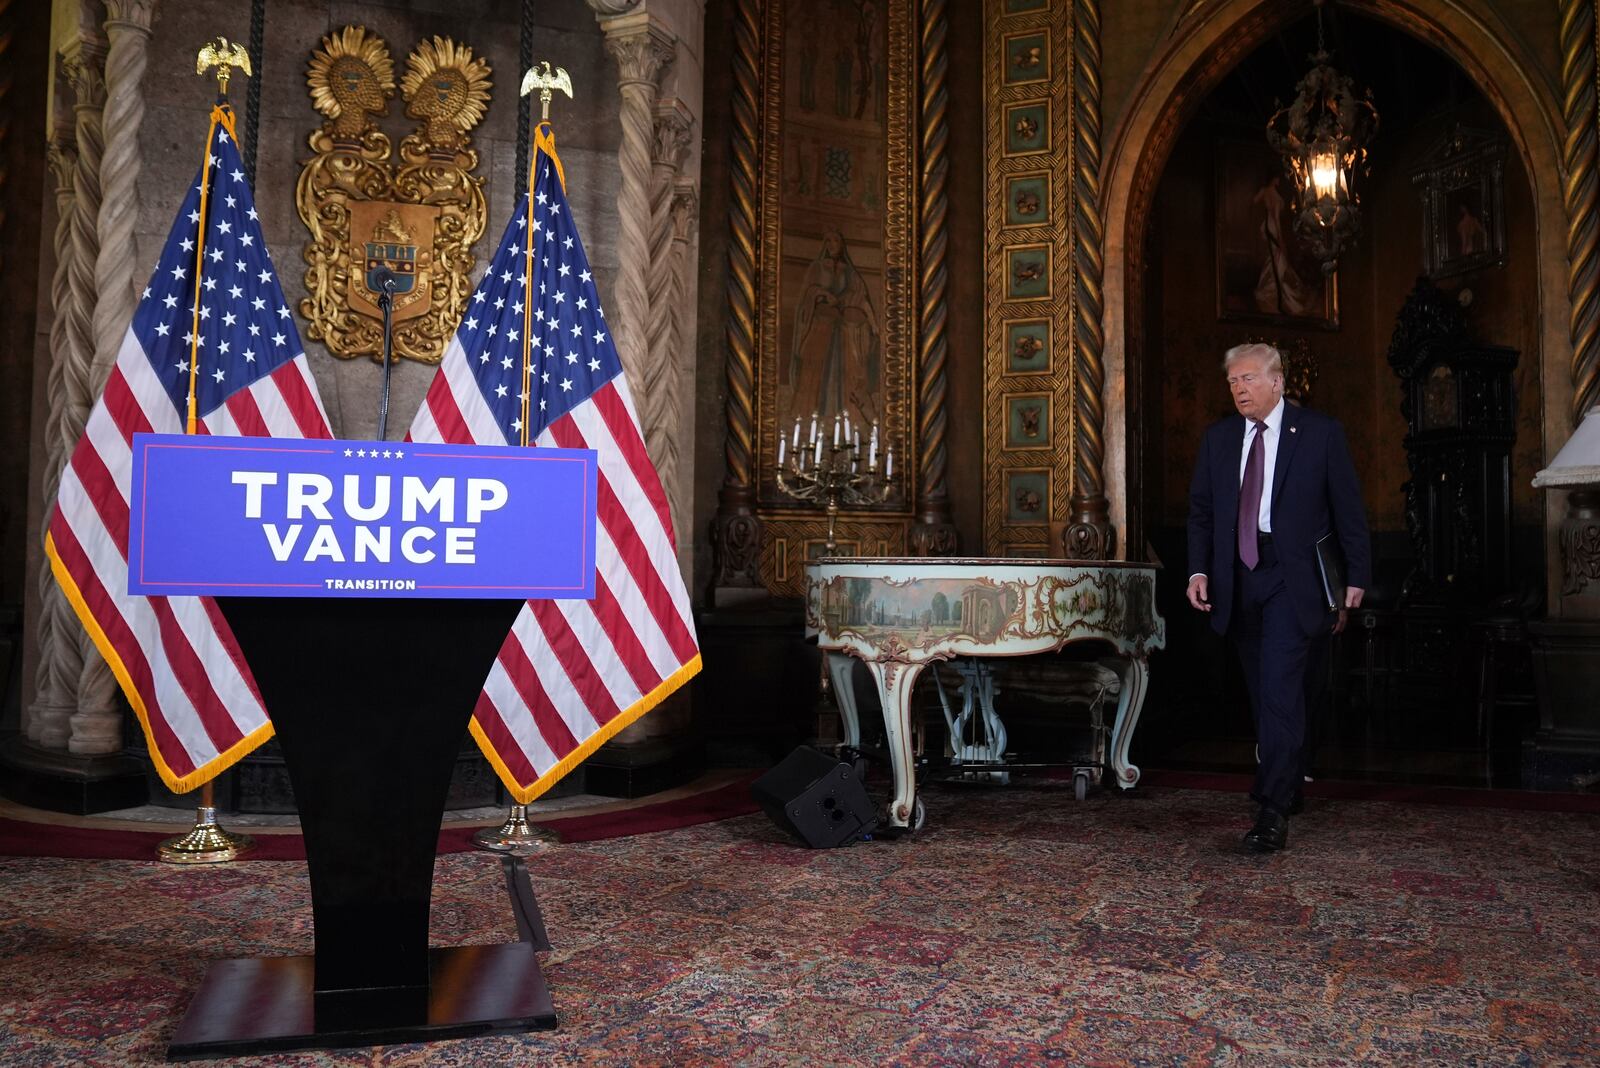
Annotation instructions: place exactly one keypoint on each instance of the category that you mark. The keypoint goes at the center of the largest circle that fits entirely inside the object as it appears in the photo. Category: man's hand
(1352, 596)
(1199, 587)
(1344, 617)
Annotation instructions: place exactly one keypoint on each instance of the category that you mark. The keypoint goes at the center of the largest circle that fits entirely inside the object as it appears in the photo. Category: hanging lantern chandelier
(1323, 137)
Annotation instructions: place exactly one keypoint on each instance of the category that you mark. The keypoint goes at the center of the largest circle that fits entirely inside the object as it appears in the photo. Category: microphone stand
(386, 305)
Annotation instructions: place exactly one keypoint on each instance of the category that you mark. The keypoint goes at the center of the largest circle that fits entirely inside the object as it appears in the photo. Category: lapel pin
(1293, 429)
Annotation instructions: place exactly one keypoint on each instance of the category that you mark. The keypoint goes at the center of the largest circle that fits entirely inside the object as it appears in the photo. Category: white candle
(817, 457)
(781, 444)
(872, 451)
(874, 432)
(888, 463)
(847, 426)
(813, 436)
(797, 432)
(836, 430)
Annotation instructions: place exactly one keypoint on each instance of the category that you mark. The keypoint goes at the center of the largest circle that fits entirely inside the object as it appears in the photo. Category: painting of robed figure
(834, 362)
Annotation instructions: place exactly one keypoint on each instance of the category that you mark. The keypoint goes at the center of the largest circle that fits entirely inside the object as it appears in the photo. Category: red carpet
(1019, 928)
(1514, 800)
(21, 838)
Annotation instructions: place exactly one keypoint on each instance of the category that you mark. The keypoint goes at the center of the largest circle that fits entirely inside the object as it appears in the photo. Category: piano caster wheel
(919, 815)
(1080, 785)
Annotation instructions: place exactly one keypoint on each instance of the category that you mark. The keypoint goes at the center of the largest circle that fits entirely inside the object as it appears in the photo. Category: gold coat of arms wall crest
(412, 221)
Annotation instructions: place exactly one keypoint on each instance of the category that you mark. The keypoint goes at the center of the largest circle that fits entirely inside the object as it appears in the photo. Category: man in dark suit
(1268, 484)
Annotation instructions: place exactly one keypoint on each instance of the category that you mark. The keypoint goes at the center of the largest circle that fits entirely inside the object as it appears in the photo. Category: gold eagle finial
(547, 81)
(223, 55)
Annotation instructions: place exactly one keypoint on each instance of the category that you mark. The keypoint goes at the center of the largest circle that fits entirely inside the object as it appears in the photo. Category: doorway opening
(1414, 689)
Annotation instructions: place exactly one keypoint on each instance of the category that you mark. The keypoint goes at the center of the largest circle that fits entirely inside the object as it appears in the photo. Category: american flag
(571, 674)
(175, 656)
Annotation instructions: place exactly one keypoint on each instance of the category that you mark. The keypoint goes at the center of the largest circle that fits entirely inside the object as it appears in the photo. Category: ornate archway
(1206, 41)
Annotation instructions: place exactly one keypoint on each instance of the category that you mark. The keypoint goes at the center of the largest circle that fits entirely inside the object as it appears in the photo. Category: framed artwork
(1462, 186)
(1264, 272)
(1027, 129)
(1028, 199)
(1027, 58)
(1028, 272)
(1027, 346)
(1028, 496)
(1028, 421)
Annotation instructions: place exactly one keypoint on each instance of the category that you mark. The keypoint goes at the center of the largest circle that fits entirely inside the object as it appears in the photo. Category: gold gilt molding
(1579, 46)
(797, 537)
(933, 534)
(419, 217)
(1031, 341)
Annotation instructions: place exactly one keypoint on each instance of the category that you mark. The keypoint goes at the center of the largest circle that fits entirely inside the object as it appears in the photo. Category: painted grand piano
(902, 615)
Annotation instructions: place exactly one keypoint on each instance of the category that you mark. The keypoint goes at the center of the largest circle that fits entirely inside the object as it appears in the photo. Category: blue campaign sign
(275, 517)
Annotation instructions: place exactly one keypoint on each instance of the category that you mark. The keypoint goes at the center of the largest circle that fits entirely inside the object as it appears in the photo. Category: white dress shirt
(1269, 447)
(1274, 431)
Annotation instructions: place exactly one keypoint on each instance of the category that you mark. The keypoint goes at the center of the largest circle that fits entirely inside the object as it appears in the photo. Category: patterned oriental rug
(1019, 928)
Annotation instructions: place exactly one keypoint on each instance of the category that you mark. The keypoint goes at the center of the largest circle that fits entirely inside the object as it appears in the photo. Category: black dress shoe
(1270, 834)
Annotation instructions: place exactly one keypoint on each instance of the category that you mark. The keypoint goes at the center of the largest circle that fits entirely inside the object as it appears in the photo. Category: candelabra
(836, 471)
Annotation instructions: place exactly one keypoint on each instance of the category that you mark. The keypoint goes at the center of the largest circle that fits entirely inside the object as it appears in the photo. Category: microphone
(386, 279)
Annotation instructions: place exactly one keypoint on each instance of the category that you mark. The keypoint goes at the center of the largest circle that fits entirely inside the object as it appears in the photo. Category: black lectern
(369, 698)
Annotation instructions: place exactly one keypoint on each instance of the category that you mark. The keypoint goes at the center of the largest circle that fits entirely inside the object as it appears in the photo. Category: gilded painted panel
(1028, 332)
(835, 335)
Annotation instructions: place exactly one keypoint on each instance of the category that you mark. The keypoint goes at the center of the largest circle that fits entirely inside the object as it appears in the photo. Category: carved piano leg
(841, 666)
(1135, 680)
(895, 683)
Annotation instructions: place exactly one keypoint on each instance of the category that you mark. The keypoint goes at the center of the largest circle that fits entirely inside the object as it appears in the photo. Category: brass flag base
(516, 835)
(205, 843)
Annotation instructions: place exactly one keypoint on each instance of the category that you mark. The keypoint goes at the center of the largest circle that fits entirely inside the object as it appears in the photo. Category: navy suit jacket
(1314, 491)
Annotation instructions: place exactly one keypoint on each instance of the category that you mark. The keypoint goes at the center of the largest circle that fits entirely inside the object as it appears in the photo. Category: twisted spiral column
(933, 534)
(1089, 535)
(1578, 102)
(736, 529)
(60, 657)
(128, 31)
(661, 407)
(96, 718)
(642, 52)
(685, 216)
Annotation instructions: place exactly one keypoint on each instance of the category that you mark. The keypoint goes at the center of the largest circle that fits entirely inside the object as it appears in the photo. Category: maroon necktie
(1250, 498)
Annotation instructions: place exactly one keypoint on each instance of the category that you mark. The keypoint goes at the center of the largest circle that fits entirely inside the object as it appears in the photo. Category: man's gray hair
(1269, 355)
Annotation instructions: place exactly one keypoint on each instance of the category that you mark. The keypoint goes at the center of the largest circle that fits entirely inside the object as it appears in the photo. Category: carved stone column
(642, 51)
(128, 31)
(60, 657)
(684, 216)
(82, 66)
(660, 403)
(736, 529)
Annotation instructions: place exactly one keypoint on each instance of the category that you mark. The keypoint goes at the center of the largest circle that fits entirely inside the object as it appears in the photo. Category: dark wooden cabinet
(1460, 409)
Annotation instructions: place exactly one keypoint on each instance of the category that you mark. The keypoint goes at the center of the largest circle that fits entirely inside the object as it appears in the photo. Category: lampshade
(1578, 462)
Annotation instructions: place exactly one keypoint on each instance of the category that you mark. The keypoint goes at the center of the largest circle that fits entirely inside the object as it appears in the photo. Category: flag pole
(516, 834)
(206, 842)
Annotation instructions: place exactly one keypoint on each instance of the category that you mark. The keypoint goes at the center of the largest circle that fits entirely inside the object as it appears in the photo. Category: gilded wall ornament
(417, 218)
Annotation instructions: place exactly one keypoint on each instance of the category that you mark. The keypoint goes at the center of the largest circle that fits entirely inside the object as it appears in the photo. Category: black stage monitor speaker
(816, 798)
